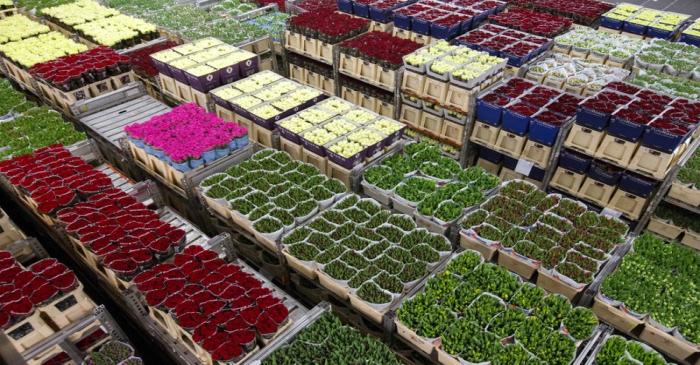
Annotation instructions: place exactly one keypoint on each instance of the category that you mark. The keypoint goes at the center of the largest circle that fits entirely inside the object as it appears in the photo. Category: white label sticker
(524, 167)
(611, 212)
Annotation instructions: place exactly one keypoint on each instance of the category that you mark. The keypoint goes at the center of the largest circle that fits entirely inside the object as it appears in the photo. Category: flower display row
(187, 137)
(626, 111)
(53, 178)
(328, 338)
(557, 235)
(205, 64)
(119, 32)
(575, 75)
(520, 106)
(422, 182)
(481, 313)
(667, 84)
(78, 12)
(41, 48)
(17, 27)
(380, 48)
(644, 21)
(272, 24)
(518, 47)
(582, 41)
(233, 7)
(691, 34)
(328, 26)
(76, 71)
(659, 279)
(616, 349)
(224, 307)
(582, 11)
(113, 352)
(123, 233)
(26, 289)
(365, 253)
(31, 127)
(266, 98)
(341, 131)
(270, 193)
(444, 20)
(677, 59)
(533, 22)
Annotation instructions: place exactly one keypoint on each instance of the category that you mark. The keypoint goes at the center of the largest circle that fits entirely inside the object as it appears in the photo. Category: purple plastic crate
(380, 15)
(248, 67)
(221, 102)
(346, 162)
(421, 26)
(204, 83)
(319, 150)
(637, 185)
(230, 74)
(178, 74)
(161, 67)
(289, 135)
(660, 33)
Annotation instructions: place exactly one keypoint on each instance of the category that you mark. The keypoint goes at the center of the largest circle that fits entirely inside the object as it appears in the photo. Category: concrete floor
(691, 7)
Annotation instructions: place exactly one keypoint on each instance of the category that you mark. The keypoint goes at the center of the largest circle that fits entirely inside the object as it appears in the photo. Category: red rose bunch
(330, 26)
(381, 48)
(535, 22)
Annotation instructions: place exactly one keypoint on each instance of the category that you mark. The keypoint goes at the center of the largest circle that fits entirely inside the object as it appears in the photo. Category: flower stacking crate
(518, 264)
(452, 132)
(685, 193)
(413, 83)
(653, 163)
(484, 134)
(596, 192)
(293, 149)
(616, 150)
(69, 308)
(19, 75)
(664, 228)
(584, 139)
(630, 205)
(431, 123)
(9, 233)
(411, 116)
(552, 283)
(567, 181)
(426, 345)
(312, 158)
(614, 313)
(28, 332)
(293, 41)
(510, 144)
(674, 346)
(167, 85)
(537, 153)
(297, 73)
(469, 240)
(435, 90)
(691, 239)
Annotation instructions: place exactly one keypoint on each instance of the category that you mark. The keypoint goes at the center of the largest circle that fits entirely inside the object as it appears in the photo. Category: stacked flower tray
(39, 300)
(635, 136)
(427, 20)
(26, 42)
(473, 311)
(555, 241)
(67, 80)
(635, 298)
(584, 12)
(439, 85)
(673, 58)
(642, 22)
(597, 46)
(375, 58)
(261, 100)
(189, 71)
(336, 136)
(428, 186)
(522, 122)
(364, 254)
(269, 194)
(377, 100)
(184, 139)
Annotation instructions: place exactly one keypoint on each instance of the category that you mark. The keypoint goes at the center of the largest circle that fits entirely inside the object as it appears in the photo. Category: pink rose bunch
(186, 132)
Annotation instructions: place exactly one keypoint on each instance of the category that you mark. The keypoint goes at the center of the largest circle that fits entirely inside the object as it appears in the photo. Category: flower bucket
(421, 26)
(515, 122)
(443, 31)
(402, 21)
(195, 163)
(659, 33)
(380, 15)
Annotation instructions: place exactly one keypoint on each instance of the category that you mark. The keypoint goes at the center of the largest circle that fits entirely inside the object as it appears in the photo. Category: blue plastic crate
(488, 113)
(490, 155)
(591, 118)
(625, 129)
(660, 33)
(421, 26)
(478, 18)
(510, 162)
(574, 161)
(611, 23)
(345, 6)
(515, 123)
(662, 140)
(634, 28)
(402, 21)
(636, 184)
(515, 61)
(444, 32)
(380, 15)
(605, 173)
(466, 25)
(361, 10)
(542, 132)
(536, 173)
(690, 39)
